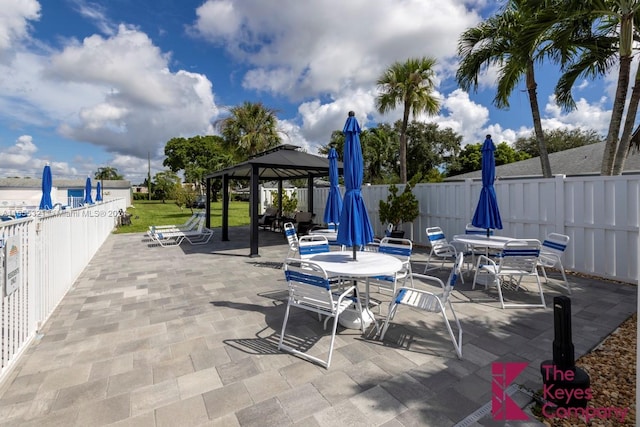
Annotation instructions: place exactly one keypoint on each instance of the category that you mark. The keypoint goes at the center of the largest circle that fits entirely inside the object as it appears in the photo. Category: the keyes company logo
(560, 400)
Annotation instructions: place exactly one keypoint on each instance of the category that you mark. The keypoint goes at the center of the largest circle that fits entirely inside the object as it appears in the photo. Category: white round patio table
(478, 241)
(366, 264)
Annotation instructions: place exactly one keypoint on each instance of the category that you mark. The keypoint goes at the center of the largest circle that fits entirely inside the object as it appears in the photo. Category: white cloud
(115, 92)
(586, 115)
(95, 13)
(18, 160)
(308, 48)
(14, 21)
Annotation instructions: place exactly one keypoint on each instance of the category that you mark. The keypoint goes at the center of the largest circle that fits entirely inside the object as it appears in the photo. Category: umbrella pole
(488, 233)
(354, 251)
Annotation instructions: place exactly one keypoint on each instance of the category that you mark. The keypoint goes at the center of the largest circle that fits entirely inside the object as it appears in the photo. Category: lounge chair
(268, 218)
(200, 236)
(191, 224)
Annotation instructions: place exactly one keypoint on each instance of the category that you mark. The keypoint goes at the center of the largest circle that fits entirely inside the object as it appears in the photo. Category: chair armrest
(486, 260)
(423, 277)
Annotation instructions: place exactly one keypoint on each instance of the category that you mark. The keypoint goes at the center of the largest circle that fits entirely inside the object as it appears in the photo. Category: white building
(27, 192)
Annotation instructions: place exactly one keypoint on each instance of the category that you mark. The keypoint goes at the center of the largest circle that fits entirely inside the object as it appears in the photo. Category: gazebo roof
(281, 162)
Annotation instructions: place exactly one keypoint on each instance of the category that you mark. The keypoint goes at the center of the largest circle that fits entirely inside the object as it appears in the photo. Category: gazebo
(280, 163)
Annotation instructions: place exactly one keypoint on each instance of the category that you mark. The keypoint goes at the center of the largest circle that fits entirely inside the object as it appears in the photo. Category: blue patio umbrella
(47, 183)
(487, 213)
(355, 228)
(87, 192)
(334, 200)
(98, 192)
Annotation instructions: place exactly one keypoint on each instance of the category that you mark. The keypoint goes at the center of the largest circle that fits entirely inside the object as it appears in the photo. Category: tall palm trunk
(403, 143)
(537, 122)
(627, 132)
(611, 143)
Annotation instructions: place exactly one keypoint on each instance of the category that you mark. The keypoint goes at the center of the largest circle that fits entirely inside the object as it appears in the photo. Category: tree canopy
(250, 129)
(196, 156)
(107, 173)
(409, 84)
(558, 140)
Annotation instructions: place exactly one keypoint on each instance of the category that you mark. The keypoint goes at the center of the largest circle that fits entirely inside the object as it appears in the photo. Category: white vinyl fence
(42, 256)
(600, 214)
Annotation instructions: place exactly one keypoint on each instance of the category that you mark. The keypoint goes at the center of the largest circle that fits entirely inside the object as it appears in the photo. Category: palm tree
(378, 145)
(107, 172)
(615, 25)
(409, 84)
(507, 41)
(250, 129)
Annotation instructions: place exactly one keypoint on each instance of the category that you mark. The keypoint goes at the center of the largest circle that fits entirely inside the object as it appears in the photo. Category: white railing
(600, 214)
(54, 249)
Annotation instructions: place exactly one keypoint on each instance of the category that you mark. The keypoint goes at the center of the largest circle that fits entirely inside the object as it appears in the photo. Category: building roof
(282, 162)
(585, 160)
(61, 183)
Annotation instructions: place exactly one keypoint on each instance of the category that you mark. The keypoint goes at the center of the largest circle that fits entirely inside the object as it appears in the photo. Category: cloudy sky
(86, 84)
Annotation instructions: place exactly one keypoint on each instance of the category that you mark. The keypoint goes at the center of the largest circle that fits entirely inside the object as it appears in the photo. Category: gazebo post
(280, 191)
(255, 200)
(207, 220)
(310, 194)
(225, 208)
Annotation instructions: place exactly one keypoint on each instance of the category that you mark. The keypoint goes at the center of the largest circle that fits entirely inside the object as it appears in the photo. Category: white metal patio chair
(553, 248)
(430, 301)
(440, 249)
(519, 258)
(471, 252)
(292, 238)
(310, 289)
(401, 249)
(312, 244)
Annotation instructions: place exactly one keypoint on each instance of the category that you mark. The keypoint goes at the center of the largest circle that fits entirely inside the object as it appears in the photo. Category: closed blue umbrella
(334, 200)
(355, 228)
(98, 192)
(87, 192)
(47, 183)
(487, 213)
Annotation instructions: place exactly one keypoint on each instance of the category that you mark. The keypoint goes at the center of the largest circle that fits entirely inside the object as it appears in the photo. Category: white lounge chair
(200, 236)
(191, 224)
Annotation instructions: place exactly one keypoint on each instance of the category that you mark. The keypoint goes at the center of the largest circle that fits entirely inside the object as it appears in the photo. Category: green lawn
(153, 212)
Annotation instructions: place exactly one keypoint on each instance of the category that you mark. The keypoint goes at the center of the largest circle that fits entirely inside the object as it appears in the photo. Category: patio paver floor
(187, 336)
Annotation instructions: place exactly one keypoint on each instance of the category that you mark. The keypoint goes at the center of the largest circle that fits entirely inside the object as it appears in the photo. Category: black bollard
(565, 385)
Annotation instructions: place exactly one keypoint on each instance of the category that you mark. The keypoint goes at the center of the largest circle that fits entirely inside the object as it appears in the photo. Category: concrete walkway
(187, 336)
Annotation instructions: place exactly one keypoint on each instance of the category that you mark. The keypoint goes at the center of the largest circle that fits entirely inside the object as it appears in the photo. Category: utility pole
(149, 173)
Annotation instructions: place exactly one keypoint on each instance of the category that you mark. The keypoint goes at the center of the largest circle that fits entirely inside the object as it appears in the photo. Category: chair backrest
(436, 237)
(472, 229)
(311, 245)
(456, 271)
(555, 243)
(520, 254)
(389, 229)
(303, 216)
(292, 236)
(309, 285)
(200, 225)
(399, 248)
